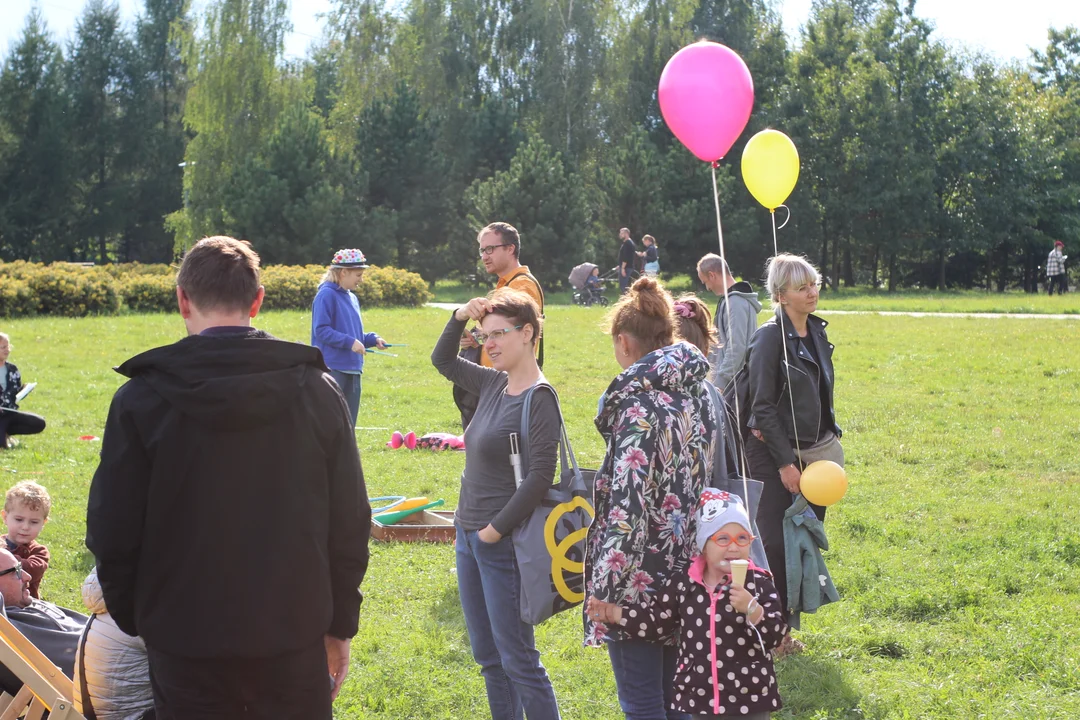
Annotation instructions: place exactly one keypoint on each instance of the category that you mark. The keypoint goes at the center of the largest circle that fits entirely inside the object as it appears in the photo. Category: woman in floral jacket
(656, 417)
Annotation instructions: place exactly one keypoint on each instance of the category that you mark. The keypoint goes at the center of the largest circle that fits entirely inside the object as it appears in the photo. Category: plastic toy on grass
(431, 441)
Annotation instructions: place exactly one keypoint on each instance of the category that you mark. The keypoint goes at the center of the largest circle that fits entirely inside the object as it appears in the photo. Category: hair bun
(651, 298)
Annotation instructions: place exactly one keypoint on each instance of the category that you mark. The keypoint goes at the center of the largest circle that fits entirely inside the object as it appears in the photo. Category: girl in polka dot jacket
(727, 632)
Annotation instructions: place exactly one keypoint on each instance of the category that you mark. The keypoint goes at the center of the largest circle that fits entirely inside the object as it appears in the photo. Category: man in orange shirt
(500, 251)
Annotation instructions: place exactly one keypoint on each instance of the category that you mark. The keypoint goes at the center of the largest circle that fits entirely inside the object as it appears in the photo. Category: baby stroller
(584, 294)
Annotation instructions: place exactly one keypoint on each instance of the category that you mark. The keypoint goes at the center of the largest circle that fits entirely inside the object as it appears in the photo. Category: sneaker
(11, 442)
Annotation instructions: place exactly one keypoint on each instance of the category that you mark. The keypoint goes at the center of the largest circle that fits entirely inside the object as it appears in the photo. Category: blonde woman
(778, 448)
(337, 327)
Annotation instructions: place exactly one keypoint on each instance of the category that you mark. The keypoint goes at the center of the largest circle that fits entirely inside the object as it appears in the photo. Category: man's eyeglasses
(741, 539)
(17, 569)
(482, 337)
(488, 249)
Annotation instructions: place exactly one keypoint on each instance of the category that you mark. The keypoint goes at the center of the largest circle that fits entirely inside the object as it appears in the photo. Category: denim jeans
(503, 645)
(645, 678)
(350, 388)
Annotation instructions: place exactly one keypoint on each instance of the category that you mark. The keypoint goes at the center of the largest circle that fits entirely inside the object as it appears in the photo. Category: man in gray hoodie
(734, 334)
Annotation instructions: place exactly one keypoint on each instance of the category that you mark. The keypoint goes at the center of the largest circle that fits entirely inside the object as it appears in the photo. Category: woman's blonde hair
(332, 274)
(646, 313)
(786, 271)
(695, 322)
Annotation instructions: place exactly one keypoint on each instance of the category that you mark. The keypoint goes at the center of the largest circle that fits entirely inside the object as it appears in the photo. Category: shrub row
(75, 291)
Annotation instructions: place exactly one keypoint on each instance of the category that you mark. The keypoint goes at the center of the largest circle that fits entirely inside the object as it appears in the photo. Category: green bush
(16, 299)
(150, 293)
(290, 287)
(396, 287)
(72, 290)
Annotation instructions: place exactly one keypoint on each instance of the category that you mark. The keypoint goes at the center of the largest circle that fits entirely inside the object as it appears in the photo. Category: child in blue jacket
(337, 327)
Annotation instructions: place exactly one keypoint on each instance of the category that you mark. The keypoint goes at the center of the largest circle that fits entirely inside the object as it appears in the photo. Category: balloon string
(787, 219)
(783, 343)
(727, 305)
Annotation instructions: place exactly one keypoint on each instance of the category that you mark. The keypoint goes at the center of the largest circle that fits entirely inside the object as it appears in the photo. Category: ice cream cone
(738, 572)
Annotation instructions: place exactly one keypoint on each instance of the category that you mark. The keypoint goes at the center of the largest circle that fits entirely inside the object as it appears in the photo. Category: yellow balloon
(770, 167)
(823, 482)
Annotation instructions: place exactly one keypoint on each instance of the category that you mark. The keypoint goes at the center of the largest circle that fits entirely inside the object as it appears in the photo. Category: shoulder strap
(84, 691)
(566, 451)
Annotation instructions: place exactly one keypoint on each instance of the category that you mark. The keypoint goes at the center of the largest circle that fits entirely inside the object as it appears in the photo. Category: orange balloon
(823, 482)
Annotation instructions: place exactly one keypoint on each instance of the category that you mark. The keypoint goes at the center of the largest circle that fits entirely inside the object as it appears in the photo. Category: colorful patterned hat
(715, 510)
(349, 258)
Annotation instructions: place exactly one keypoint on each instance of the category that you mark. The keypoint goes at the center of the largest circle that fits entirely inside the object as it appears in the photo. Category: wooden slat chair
(45, 687)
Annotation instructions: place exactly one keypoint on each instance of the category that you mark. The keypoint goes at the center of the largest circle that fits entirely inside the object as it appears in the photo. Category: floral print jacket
(657, 419)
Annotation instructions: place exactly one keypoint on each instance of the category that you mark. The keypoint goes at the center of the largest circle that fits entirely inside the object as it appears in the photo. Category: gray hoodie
(730, 353)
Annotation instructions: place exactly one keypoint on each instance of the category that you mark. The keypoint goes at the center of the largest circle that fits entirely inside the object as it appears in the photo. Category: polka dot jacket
(725, 663)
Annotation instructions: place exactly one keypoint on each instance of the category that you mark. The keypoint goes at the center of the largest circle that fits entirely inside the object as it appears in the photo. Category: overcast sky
(991, 25)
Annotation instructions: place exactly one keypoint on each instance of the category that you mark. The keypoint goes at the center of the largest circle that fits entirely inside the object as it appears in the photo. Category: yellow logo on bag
(559, 562)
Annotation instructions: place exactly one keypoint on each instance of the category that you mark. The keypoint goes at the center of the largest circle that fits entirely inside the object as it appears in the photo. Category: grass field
(967, 301)
(956, 551)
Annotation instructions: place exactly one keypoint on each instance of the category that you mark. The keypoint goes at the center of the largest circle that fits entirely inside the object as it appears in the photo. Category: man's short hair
(713, 263)
(220, 273)
(29, 494)
(508, 235)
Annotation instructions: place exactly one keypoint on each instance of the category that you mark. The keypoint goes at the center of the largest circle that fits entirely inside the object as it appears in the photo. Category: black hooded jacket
(228, 514)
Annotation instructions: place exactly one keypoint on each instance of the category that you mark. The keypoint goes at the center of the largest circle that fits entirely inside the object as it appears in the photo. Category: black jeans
(1062, 284)
(14, 422)
(775, 500)
(295, 686)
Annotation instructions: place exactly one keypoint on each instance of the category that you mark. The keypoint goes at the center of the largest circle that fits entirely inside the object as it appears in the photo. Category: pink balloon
(706, 95)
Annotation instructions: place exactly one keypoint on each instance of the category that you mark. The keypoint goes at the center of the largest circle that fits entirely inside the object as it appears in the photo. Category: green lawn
(967, 301)
(956, 551)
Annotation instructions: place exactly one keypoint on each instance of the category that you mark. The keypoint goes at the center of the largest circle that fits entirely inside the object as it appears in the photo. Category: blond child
(728, 631)
(26, 510)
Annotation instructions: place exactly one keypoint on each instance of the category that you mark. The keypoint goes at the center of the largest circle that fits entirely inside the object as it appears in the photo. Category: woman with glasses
(657, 420)
(790, 403)
(492, 502)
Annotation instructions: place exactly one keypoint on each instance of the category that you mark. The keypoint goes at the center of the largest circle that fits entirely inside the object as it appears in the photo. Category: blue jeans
(645, 678)
(503, 645)
(350, 388)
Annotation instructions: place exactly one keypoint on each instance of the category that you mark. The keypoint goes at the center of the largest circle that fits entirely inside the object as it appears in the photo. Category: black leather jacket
(770, 402)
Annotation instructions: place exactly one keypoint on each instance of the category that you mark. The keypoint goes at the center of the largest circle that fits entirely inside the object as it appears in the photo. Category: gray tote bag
(550, 544)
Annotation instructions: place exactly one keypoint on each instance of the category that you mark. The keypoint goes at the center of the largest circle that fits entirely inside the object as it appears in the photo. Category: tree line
(408, 125)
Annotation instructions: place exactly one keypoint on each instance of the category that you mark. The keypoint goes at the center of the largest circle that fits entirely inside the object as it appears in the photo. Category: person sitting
(13, 422)
(55, 631)
(112, 673)
(26, 510)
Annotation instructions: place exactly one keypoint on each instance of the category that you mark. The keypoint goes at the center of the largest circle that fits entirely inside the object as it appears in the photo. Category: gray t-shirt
(488, 492)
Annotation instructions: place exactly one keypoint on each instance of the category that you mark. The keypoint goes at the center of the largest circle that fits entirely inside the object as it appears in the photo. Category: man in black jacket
(228, 514)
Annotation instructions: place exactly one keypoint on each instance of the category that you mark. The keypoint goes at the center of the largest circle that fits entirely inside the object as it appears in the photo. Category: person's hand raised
(475, 309)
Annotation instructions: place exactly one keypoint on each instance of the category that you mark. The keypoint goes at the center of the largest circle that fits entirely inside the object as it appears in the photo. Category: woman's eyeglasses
(482, 337)
(723, 539)
(488, 249)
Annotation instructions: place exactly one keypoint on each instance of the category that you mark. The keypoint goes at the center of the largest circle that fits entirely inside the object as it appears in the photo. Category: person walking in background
(337, 327)
(627, 256)
(656, 418)
(231, 445)
(734, 333)
(1055, 269)
(651, 256)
